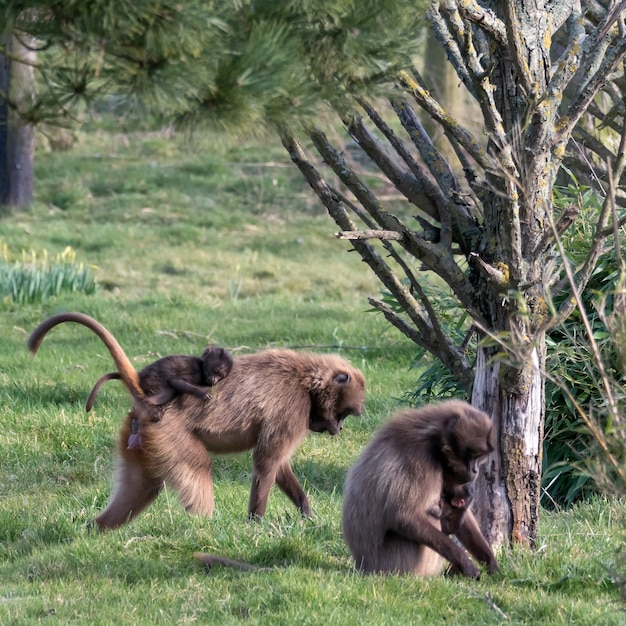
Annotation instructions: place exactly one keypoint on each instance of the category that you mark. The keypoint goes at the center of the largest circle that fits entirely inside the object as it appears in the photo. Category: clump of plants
(33, 277)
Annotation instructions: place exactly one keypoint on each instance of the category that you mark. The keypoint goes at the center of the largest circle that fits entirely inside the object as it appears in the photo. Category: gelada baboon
(268, 403)
(403, 484)
(177, 374)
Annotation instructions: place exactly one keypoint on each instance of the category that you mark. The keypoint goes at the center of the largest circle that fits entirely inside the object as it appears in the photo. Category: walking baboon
(394, 493)
(176, 374)
(268, 402)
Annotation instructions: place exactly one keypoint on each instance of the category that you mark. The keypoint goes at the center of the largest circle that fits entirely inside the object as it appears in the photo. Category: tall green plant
(585, 435)
(34, 279)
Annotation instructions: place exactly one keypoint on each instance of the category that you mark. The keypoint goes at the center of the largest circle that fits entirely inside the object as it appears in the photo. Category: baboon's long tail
(128, 373)
(209, 560)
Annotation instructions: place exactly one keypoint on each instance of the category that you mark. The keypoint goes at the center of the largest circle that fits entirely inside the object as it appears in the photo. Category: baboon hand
(469, 569)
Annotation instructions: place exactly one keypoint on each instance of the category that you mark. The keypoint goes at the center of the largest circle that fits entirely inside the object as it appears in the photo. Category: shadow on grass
(148, 559)
(286, 553)
(57, 393)
(314, 475)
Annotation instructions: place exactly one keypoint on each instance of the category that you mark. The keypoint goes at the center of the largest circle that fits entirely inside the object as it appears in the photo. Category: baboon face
(466, 444)
(216, 364)
(343, 396)
(459, 496)
(455, 502)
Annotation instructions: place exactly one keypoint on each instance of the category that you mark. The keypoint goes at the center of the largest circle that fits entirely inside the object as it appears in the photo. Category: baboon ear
(452, 422)
(341, 379)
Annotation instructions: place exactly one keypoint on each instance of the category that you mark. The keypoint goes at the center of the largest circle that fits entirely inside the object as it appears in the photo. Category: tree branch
(389, 235)
(559, 11)
(485, 19)
(367, 252)
(439, 114)
(450, 356)
(414, 284)
(496, 277)
(461, 31)
(402, 180)
(569, 61)
(580, 104)
(518, 50)
(455, 56)
(435, 257)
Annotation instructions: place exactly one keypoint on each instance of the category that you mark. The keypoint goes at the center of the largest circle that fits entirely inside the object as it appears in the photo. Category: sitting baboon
(395, 494)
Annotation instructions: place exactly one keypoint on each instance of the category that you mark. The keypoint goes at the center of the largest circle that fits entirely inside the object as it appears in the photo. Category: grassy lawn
(204, 241)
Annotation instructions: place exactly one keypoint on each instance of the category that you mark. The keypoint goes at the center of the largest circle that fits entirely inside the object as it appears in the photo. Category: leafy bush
(32, 279)
(584, 443)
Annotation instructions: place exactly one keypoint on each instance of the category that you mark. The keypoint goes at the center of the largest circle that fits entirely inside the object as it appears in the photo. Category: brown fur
(268, 402)
(394, 497)
(176, 374)
(455, 501)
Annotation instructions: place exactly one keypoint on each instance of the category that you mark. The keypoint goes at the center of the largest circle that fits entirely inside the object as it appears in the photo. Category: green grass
(212, 242)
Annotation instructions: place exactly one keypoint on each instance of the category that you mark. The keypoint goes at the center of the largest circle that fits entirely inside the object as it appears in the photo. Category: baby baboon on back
(177, 374)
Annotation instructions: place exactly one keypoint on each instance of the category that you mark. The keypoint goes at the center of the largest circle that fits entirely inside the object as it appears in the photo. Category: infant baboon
(268, 402)
(454, 503)
(395, 502)
(177, 374)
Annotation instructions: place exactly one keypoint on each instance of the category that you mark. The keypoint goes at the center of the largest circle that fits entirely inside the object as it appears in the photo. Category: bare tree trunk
(507, 504)
(17, 137)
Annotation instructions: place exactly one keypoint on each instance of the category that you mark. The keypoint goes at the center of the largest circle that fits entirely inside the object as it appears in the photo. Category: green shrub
(32, 279)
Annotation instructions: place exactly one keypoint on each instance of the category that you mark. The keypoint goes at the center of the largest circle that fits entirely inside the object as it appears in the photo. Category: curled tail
(94, 392)
(127, 373)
